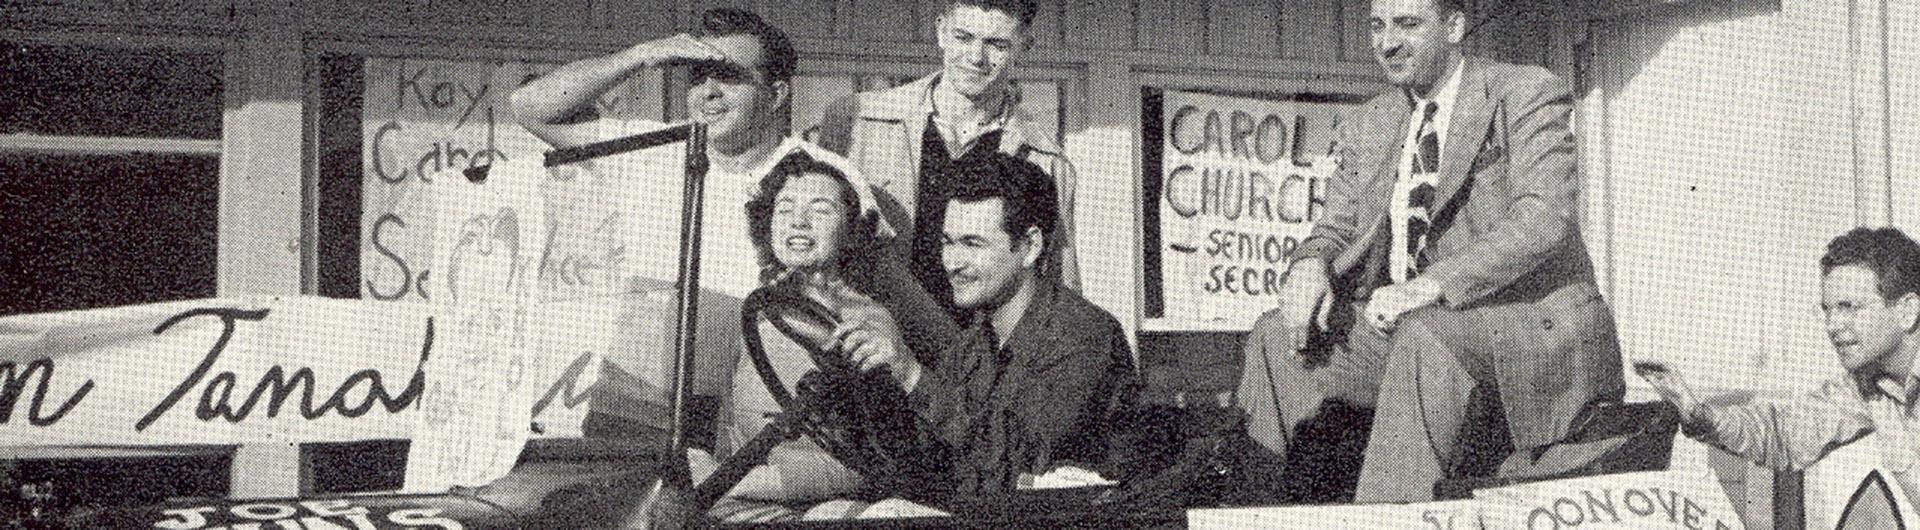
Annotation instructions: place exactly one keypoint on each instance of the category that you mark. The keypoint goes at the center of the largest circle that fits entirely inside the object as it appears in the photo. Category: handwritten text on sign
(474, 417)
(1688, 500)
(300, 369)
(426, 121)
(1244, 180)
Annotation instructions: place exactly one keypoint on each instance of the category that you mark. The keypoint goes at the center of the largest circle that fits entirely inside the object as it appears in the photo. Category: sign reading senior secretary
(1244, 179)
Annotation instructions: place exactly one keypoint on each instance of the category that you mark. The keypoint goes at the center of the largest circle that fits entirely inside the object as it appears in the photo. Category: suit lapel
(1472, 110)
(1390, 128)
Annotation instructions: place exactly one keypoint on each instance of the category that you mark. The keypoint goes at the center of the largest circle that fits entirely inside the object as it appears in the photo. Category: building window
(109, 175)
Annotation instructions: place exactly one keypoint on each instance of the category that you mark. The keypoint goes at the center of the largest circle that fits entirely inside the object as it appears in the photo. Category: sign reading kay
(425, 122)
(1244, 181)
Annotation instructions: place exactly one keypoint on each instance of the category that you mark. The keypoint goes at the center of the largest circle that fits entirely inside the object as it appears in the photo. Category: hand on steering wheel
(875, 343)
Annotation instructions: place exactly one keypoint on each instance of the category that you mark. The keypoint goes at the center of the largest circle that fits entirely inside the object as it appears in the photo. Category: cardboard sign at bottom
(1872, 507)
(1690, 500)
(1449, 515)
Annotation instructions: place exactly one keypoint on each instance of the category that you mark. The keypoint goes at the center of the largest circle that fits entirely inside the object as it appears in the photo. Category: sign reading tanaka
(233, 371)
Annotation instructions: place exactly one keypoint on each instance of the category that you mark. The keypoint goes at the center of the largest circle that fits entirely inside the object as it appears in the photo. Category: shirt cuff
(1700, 423)
(1321, 246)
(913, 379)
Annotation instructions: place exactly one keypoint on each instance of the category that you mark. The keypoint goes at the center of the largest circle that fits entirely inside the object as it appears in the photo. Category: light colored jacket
(880, 131)
(1508, 244)
(1790, 434)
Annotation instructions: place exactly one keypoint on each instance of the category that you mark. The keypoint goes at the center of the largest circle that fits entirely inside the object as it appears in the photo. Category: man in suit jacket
(1451, 233)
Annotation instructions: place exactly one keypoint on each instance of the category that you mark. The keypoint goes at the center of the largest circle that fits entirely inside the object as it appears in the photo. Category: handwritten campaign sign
(475, 415)
(1690, 500)
(1244, 180)
(424, 122)
(608, 272)
(233, 371)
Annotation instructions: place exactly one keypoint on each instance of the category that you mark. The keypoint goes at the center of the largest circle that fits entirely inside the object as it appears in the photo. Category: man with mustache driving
(1035, 380)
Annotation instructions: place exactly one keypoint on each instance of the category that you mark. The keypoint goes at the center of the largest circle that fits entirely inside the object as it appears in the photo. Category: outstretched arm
(1782, 434)
(1777, 434)
(555, 106)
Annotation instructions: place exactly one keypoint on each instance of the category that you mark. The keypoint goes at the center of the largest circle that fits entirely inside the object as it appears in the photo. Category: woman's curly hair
(860, 236)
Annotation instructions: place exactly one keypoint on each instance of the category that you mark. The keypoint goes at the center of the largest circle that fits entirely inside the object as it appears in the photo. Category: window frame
(109, 145)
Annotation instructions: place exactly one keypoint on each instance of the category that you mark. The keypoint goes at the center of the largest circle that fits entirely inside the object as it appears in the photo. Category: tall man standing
(742, 72)
(903, 138)
(1451, 230)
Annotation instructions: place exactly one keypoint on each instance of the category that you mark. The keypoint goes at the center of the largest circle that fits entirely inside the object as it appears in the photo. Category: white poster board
(424, 122)
(475, 415)
(223, 371)
(1242, 180)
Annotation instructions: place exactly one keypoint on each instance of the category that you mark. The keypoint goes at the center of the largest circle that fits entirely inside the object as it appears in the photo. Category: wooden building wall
(1093, 56)
(1098, 56)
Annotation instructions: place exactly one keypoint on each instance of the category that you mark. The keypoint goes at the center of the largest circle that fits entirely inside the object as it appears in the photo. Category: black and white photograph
(825, 264)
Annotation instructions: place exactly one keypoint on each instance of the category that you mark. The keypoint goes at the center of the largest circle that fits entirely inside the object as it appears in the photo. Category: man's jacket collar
(912, 104)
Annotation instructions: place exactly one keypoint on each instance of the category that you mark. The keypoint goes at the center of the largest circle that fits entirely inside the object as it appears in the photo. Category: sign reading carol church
(1242, 181)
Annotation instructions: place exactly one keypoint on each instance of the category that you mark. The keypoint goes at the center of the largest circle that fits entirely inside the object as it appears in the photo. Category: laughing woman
(815, 240)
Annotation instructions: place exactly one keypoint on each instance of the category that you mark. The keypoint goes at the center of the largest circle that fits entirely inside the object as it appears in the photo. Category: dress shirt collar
(961, 137)
(1031, 330)
(1902, 390)
(1444, 95)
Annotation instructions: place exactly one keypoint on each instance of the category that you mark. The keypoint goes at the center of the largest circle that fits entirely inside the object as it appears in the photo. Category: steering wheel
(808, 322)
